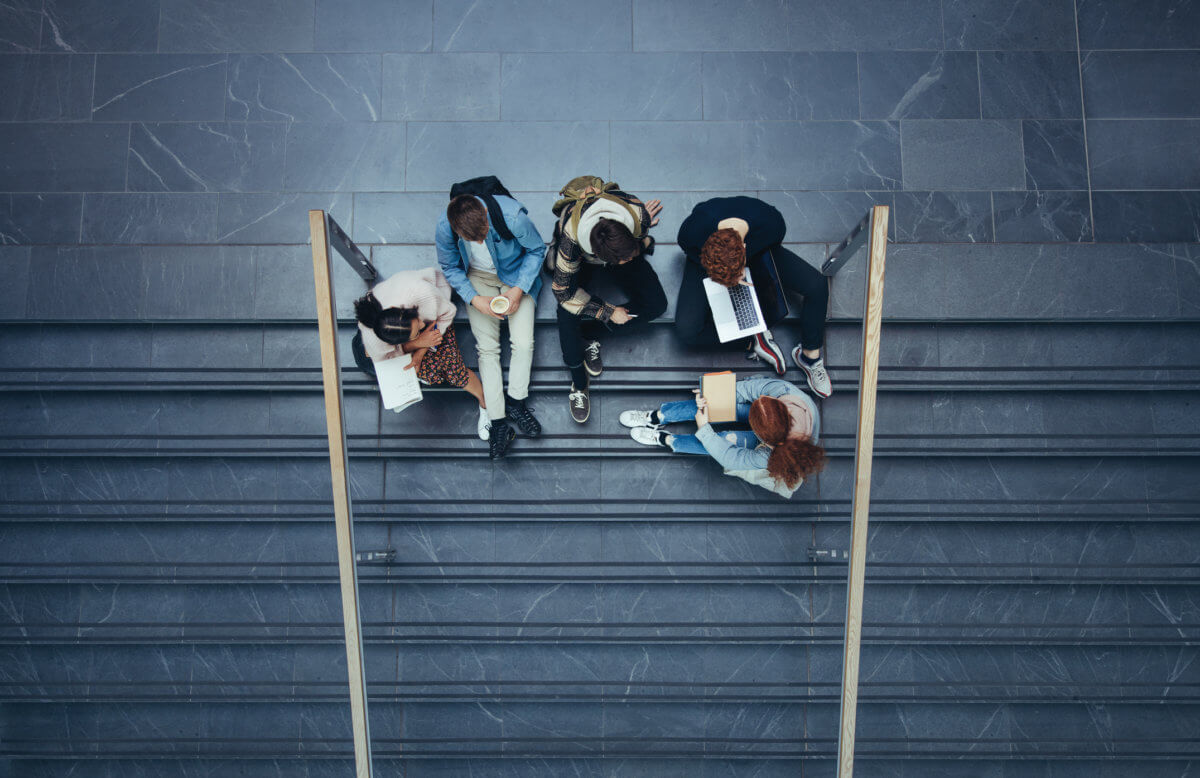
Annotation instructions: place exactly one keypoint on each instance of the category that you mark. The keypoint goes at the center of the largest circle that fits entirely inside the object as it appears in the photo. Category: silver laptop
(735, 311)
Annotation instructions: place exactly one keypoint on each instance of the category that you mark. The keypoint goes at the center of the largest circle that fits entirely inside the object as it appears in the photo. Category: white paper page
(398, 387)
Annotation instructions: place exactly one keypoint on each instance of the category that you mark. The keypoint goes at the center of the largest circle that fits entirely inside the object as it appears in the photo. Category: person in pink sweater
(411, 312)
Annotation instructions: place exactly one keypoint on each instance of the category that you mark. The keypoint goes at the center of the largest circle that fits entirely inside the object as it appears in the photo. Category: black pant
(647, 301)
(693, 317)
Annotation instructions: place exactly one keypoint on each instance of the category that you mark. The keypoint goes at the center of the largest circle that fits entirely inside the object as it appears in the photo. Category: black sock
(656, 417)
(809, 360)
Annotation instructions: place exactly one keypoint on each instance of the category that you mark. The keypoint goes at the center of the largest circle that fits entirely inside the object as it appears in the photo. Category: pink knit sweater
(427, 290)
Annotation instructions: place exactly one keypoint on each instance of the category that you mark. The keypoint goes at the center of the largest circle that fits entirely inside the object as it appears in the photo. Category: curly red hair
(724, 257)
(791, 458)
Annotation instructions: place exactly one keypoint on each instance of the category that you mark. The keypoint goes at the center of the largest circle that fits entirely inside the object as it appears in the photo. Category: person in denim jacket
(482, 267)
(778, 451)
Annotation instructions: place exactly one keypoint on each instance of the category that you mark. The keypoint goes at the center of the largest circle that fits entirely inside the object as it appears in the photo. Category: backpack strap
(496, 216)
(584, 200)
(486, 188)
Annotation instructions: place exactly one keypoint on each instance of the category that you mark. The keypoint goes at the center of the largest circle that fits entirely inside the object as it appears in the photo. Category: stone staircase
(588, 606)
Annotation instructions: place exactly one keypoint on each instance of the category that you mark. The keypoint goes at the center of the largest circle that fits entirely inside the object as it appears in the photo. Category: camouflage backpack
(587, 189)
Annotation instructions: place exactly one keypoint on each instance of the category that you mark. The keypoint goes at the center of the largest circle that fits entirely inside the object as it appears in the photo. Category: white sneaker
(649, 436)
(818, 377)
(638, 419)
(484, 428)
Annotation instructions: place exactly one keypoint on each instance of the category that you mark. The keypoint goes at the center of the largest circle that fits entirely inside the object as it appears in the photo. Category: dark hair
(724, 257)
(791, 458)
(468, 218)
(612, 242)
(391, 325)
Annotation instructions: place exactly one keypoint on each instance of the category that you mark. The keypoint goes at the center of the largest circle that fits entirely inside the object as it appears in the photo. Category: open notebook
(398, 387)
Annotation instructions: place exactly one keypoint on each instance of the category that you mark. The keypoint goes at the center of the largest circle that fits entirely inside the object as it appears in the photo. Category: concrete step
(1083, 357)
(513, 729)
(815, 765)
(300, 673)
(918, 553)
(1015, 282)
(71, 491)
(293, 424)
(631, 613)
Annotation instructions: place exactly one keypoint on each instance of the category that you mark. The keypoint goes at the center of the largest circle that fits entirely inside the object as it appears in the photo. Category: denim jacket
(518, 261)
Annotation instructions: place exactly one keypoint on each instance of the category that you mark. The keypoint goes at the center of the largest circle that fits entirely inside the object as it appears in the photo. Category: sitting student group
(738, 283)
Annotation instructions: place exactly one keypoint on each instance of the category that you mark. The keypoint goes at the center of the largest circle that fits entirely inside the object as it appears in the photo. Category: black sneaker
(591, 358)
(581, 404)
(500, 438)
(519, 412)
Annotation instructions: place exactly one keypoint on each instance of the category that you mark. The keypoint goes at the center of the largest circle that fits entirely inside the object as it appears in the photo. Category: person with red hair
(721, 239)
(778, 451)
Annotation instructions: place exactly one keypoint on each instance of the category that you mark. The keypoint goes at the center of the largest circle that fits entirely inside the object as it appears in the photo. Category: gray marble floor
(168, 598)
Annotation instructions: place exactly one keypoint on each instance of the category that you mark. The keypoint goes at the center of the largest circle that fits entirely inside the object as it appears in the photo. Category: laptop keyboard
(743, 306)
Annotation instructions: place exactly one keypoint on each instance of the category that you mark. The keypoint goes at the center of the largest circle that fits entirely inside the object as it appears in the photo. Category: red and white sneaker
(768, 351)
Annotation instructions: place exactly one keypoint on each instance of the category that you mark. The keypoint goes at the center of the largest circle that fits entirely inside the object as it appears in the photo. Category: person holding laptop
(778, 452)
(492, 256)
(600, 230)
(733, 247)
(411, 313)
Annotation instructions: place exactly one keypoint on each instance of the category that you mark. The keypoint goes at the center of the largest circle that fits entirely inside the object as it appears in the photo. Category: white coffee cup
(500, 305)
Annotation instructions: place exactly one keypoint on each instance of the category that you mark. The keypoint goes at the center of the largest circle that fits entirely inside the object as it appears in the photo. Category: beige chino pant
(486, 330)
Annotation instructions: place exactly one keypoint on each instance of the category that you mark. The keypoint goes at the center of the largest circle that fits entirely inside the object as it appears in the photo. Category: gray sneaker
(818, 377)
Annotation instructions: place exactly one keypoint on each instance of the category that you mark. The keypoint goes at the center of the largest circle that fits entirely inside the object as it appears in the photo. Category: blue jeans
(685, 410)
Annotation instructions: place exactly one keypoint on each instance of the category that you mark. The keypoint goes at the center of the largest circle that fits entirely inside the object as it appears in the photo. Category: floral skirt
(444, 365)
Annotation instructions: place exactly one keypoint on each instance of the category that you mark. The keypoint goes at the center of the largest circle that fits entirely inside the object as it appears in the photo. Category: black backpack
(360, 355)
(486, 188)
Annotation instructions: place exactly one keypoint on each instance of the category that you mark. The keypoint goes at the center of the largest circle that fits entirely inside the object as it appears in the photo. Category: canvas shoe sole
(591, 359)
(649, 436)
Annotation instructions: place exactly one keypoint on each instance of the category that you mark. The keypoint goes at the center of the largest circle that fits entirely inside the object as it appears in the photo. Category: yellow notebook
(720, 389)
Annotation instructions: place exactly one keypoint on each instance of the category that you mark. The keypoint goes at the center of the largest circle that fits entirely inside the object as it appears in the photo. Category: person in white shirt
(499, 278)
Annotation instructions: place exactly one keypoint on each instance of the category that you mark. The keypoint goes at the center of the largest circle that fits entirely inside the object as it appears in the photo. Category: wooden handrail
(864, 447)
(342, 516)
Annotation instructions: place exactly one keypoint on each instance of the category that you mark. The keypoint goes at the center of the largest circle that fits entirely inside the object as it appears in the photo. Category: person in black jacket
(723, 236)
